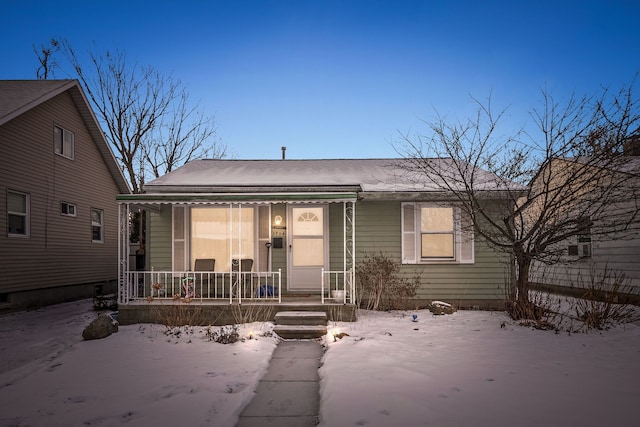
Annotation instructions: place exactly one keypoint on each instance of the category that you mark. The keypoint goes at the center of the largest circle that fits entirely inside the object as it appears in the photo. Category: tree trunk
(520, 305)
(522, 280)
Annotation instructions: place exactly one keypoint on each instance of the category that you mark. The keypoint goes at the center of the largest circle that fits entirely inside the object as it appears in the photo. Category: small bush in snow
(603, 304)
(225, 335)
(380, 285)
(177, 315)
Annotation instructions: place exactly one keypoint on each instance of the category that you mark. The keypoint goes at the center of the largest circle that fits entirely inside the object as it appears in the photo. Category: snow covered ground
(463, 369)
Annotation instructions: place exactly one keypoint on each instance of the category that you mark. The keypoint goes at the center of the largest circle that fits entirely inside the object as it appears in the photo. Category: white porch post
(235, 251)
(349, 248)
(239, 287)
(123, 253)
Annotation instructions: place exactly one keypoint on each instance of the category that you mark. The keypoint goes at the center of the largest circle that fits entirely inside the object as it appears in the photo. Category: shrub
(176, 315)
(603, 303)
(225, 335)
(600, 301)
(380, 285)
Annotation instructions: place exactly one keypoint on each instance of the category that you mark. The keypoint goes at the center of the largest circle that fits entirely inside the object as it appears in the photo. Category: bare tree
(46, 58)
(146, 115)
(570, 179)
(184, 135)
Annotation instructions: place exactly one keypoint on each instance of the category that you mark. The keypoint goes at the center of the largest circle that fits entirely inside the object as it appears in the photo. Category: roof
(327, 175)
(20, 96)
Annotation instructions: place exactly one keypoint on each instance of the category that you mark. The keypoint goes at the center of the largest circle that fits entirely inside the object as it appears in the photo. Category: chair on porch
(203, 265)
(239, 267)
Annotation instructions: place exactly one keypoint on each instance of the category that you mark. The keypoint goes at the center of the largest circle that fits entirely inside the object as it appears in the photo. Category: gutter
(235, 197)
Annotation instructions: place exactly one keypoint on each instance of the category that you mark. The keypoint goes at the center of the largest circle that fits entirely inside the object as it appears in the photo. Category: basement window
(67, 209)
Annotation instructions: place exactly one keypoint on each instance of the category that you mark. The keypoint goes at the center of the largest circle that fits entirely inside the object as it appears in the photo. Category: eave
(224, 198)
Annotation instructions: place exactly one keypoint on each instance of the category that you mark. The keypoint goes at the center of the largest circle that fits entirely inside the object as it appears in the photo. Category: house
(277, 230)
(608, 247)
(58, 184)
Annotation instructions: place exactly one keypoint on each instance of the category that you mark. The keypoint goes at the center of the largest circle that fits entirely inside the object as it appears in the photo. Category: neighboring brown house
(58, 183)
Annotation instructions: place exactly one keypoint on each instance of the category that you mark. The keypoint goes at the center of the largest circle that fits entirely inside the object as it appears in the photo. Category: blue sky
(342, 79)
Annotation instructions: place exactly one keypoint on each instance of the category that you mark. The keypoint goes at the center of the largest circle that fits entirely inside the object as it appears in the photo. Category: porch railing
(232, 286)
(338, 286)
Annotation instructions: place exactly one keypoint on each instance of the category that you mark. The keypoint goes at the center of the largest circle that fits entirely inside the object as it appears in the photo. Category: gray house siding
(620, 255)
(613, 257)
(59, 250)
(610, 254)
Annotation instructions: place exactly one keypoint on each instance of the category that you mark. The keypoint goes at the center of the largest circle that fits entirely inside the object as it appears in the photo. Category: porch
(216, 259)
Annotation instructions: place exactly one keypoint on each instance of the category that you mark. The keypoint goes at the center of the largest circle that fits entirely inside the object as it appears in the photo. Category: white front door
(307, 252)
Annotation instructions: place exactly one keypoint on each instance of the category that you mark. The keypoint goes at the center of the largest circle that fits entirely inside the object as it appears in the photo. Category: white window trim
(411, 239)
(67, 213)
(585, 250)
(26, 215)
(64, 133)
(454, 232)
(95, 224)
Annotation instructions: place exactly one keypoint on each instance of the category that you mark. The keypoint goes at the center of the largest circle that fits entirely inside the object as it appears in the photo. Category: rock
(101, 327)
(439, 307)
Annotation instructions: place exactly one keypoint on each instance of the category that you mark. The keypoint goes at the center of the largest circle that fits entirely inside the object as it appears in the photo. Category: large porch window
(222, 233)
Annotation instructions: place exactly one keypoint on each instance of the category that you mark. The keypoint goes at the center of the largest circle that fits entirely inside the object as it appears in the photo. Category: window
(97, 225)
(67, 209)
(18, 213)
(435, 233)
(63, 142)
(222, 233)
(307, 237)
(583, 248)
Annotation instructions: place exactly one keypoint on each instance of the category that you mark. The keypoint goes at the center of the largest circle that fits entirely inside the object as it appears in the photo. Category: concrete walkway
(289, 393)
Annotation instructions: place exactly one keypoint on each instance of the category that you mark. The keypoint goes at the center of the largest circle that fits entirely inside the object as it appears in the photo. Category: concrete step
(300, 332)
(308, 318)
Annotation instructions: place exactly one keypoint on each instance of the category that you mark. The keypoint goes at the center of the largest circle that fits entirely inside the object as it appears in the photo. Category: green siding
(159, 239)
(279, 256)
(336, 236)
(378, 228)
